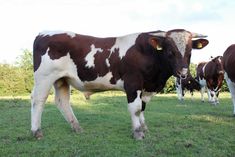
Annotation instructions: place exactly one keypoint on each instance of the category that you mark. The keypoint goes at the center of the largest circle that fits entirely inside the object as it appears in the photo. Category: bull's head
(177, 45)
(218, 65)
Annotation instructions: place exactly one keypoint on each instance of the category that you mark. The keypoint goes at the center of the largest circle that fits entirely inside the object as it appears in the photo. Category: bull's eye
(171, 55)
(189, 82)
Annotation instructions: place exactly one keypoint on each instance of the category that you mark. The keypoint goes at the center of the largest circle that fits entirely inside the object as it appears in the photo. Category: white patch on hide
(123, 44)
(107, 62)
(202, 82)
(103, 83)
(179, 89)
(58, 68)
(203, 69)
(90, 59)
(133, 108)
(181, 40)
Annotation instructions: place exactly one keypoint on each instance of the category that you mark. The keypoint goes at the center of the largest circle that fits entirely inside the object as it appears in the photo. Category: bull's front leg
(146, 97)
(202, 90)
(179, 91)
(142, 119)
(134, 107)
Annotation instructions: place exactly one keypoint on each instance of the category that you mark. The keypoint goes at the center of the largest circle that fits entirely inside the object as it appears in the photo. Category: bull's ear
(156, 43)
(200, 43)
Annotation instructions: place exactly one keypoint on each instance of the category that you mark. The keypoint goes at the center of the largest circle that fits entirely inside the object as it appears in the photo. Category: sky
(22, 20)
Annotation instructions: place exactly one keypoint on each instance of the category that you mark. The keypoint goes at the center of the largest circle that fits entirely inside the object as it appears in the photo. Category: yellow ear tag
(159, 48)
(199, 45)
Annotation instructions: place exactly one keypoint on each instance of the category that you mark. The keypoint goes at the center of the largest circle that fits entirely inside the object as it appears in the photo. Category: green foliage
(170, 85)
(25, 62)
(192, 68)
(17, 79)
(224, 87)
(188, 129)
(11, 80)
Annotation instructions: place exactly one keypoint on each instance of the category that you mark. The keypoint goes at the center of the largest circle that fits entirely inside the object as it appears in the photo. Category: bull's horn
(196, 35)
(159, 34)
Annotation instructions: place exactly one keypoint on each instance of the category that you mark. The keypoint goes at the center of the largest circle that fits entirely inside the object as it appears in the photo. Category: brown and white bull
(229, 64)
(138, 64)
(210, 75)
(188, 83)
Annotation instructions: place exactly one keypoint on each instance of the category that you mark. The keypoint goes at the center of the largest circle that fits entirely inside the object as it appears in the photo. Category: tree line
(17, 79)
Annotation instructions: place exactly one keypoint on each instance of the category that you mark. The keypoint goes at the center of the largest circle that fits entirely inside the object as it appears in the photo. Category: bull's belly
(99, 84)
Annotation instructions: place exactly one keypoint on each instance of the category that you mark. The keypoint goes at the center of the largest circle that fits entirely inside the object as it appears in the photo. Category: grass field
(183, 129)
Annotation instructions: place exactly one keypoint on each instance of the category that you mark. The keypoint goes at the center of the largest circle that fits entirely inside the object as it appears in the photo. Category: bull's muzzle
(182, 73)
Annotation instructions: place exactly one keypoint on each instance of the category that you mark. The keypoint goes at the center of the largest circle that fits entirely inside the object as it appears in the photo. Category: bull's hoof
(214, 102)
(76, 128)
(144, 128)
(38, 134)
(138, 134)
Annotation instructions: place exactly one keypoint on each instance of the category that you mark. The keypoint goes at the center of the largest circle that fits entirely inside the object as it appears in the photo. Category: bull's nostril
(183, 76)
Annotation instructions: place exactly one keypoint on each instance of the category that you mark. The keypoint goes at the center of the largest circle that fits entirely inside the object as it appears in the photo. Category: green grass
(182, 129)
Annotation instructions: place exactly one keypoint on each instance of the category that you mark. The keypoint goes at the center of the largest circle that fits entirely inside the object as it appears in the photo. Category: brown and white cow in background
(229, 65)
(188, 83)
(210, 76)
(138, 64)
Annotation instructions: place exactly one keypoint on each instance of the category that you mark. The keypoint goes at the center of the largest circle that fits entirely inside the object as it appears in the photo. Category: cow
(210, 76)
(189, 83)
(138, 64)
(228, 63)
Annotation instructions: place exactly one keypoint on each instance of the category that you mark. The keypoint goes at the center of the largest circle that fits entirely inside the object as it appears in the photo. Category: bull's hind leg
(62, 96)
(38, 98)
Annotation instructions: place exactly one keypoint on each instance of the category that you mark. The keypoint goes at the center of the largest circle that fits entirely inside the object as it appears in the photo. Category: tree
(11, 80)
(25, 63)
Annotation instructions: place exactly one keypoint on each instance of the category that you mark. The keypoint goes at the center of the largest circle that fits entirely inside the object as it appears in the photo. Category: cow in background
(189, 84)
(210, 76)
(229, 65)
(139, 64)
